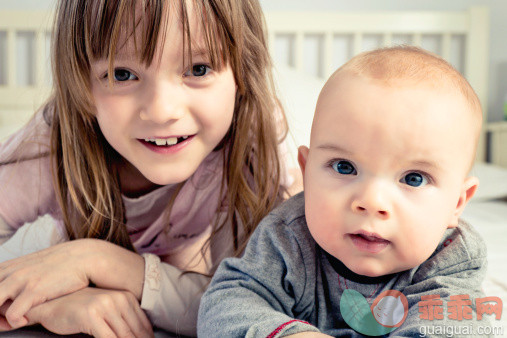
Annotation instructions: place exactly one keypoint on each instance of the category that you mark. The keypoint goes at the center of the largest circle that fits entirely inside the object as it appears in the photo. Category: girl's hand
(63, 269)
(97, 312)
(4, 325)
(44, 275)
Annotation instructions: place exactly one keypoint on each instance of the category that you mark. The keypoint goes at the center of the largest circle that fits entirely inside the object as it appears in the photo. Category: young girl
(156, 154)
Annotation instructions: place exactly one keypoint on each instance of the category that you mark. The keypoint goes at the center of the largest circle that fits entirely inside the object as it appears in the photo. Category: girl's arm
(173, 306)
(64, 268)
(97, 312)
(170, 298)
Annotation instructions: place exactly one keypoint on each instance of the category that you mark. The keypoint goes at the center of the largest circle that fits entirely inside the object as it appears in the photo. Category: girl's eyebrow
(199, 52)
(126, 53)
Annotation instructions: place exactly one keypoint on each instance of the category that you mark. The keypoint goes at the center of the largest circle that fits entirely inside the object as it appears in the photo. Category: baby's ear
(467, 191)
(302, 157)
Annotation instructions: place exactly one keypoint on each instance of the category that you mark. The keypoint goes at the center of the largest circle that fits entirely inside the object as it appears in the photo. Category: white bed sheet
(487, 212)
(490, 220)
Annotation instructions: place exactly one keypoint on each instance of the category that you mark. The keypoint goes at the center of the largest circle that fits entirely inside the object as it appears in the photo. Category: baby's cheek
(419, 248)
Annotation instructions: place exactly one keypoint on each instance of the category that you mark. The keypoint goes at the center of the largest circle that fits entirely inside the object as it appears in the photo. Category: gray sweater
(285, 283)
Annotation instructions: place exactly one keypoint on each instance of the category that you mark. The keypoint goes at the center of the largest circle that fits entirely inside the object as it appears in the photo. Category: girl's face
(164, 119)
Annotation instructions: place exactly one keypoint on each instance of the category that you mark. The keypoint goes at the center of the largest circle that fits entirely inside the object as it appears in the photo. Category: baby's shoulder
(461, 248)
(290, 213)
(463, 242)
(292, 207)
(287, 220)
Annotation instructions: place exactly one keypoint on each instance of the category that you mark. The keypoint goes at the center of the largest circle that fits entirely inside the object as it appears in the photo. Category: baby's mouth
(369, 242)
(166, 142)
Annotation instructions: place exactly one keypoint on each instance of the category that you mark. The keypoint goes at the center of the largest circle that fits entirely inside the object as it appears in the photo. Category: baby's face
(386, 172)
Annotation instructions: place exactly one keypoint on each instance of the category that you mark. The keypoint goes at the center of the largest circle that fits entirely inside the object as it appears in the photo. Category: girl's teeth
(164, 141)
(171, 141)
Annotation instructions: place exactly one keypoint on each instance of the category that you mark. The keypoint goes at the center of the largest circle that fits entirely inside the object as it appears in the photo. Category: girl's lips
(167, 149)
(368, 242)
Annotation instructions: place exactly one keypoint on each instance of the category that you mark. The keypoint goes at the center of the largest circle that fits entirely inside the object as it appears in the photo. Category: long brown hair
(85, 175)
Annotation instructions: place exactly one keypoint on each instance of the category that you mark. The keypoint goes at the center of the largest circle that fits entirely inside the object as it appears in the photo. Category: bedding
(489, 217)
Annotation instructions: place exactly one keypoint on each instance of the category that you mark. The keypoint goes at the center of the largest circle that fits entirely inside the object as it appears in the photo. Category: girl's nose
(164, 102)
(371, 200)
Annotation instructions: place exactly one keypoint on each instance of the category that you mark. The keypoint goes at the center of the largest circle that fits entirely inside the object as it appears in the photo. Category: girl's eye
(198, 70)
(122, 75)
(344, 167)
(414, 180)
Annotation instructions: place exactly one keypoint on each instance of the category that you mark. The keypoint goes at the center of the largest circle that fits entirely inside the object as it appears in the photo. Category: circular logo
(388, 311)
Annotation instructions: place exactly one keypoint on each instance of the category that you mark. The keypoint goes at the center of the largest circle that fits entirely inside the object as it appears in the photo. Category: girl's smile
(166, 141)
(168, 145)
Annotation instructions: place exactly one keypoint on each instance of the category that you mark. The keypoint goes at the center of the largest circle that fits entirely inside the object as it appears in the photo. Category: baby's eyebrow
(333, 147)
(425, 164)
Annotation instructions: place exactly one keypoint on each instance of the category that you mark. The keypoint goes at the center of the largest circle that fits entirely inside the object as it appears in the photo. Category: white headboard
(314, 44)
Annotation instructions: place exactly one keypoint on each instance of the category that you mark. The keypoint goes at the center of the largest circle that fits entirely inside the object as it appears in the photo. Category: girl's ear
(302, 156)
(467, 191)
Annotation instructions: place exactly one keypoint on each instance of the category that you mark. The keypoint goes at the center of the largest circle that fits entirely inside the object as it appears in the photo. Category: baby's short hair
(404, 65)
(412, 65)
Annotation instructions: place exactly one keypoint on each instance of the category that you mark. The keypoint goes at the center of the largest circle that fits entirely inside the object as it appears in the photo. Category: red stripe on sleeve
(280, 328)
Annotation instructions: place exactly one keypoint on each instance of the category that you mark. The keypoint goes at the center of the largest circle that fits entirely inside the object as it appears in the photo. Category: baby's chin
(381, 265)
(374, 269)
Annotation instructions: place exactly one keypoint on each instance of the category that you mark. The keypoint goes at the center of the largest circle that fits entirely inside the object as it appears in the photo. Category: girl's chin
(164, 180)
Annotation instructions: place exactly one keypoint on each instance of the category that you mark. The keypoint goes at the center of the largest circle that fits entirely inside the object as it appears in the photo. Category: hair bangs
(111, 25)
(212, 32)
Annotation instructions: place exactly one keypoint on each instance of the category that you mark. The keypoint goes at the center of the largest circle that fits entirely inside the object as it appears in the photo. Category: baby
(374, 245)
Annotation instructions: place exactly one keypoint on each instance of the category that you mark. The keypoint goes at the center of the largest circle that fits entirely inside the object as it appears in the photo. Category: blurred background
(498, 28)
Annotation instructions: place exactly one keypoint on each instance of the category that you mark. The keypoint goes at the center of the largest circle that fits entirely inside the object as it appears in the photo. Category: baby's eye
(198, 70)
(414, 180)
(344, 167)
(121, 75)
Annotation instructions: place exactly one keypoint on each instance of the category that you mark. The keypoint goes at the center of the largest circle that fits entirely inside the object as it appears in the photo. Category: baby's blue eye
(344, 167)
(122, 75)
(414, 180)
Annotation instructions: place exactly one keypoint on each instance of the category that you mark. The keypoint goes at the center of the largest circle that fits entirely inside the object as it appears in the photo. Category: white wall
(26, 4)
(498, 39)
